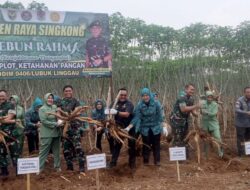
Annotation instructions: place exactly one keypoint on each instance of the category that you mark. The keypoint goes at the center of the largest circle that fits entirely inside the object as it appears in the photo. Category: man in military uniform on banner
(98, 54)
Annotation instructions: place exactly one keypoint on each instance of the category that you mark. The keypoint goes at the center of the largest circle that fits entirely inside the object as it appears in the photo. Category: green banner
(54, 44)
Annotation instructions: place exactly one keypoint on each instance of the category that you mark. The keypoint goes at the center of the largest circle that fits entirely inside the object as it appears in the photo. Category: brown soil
(214, 173)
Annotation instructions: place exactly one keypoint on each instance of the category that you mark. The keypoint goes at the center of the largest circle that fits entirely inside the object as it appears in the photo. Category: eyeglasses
(123, 95)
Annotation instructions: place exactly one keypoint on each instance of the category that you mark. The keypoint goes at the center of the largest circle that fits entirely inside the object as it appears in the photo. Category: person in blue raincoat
(98, 114)
(32, 121)
(148, 119)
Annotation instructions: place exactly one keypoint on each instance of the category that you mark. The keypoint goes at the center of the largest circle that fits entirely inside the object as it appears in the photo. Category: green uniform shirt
(49, 122)
(209, 115)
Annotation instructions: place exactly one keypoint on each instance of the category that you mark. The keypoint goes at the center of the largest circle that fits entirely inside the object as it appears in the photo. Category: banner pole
(111, 86)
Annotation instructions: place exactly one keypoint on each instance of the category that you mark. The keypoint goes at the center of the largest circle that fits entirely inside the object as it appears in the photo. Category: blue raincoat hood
(37, 102)
(147, 92)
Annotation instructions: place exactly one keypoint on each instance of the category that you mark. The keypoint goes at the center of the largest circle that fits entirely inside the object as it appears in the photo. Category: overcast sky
(173, 13)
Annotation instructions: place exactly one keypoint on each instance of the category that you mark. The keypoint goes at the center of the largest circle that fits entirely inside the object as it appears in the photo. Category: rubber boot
(70, 167)
(81, 168)
(5, 171)
(2, 171)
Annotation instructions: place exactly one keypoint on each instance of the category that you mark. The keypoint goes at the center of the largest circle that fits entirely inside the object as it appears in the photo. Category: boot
(5, 171)
(81, 167)
(111, 165)
(82, 170)
(2, 171)
(70, 167)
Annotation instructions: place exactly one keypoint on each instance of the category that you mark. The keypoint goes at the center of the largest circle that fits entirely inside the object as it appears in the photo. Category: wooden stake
(28, 181)
(116, 99)
(97, 179)
(102, 89)
(178, 170)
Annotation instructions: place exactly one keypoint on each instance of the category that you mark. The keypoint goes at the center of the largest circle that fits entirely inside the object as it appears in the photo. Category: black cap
(95, 23)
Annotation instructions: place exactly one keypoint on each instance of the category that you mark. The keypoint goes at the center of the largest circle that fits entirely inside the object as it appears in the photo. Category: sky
(173, 13)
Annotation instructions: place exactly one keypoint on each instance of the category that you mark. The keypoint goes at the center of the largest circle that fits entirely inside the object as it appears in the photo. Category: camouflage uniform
(179, 120)
(72, 143)
(97, 48)
(19, 130)
(13, 147)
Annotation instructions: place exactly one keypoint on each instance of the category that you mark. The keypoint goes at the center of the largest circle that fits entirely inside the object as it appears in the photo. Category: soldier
(72, 142)
(32, 124)
(98, 54)
(242, 120)
(20, 117)
(210, 124)
(183, 106)
(7, 126)
(123, 115)
(148, 120)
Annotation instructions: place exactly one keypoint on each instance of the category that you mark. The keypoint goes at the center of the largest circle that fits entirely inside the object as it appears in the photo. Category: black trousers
(33, 142)
(243, 134)
(131, 149)
(152, 141)
(99, 140)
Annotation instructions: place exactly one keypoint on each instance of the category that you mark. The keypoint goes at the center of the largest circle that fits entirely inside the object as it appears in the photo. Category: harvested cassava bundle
(139, 144)
(89, 120)
(8, 136)
(116, 131)
(19, 124)
(3, 118)
(198, 135)
(75, 115)
(2, 139)
(77, 112)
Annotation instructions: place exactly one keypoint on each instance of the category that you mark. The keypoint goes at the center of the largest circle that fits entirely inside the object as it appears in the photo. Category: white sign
(28, 165)
(177, 153)
(247, 148)
(96, 161)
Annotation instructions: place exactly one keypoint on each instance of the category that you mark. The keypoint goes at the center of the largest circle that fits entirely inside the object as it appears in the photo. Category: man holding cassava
(183, 106)
(72, 141)
(123, 115)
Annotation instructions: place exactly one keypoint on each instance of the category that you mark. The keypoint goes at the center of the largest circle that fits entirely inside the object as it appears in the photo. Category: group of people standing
(145, 119)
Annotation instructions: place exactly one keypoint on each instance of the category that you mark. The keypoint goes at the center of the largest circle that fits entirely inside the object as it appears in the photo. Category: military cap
(95, 23)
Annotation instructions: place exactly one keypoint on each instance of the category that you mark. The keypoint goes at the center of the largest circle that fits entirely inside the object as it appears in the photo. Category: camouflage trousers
(72, 149)
(12, 149)
(180, 132)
